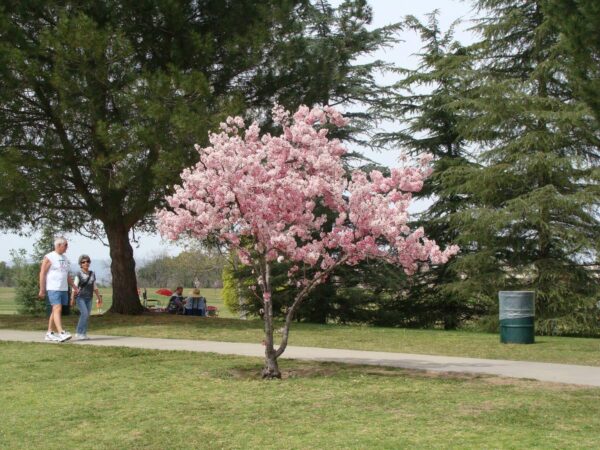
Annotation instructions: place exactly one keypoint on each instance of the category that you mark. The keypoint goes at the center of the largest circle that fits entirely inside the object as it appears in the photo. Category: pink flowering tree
(258, 196)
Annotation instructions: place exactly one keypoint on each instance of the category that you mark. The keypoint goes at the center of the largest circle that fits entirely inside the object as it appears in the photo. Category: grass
(7, 301)
(72, 397)
(434, 342)
(225, 328)
(8, 304)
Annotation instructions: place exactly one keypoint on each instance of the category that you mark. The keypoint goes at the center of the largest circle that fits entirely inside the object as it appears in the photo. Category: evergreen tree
(26, 284)
(316, 62)
(101, 102)
(27, 270)
(229, 293)
(535, 221)
(579, 24)
(426, 104)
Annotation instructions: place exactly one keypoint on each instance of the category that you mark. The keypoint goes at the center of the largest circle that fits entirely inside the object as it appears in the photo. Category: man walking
(54, 283)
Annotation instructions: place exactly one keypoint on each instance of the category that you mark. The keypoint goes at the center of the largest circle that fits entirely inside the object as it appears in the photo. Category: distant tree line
(7, 275)
(189, 268)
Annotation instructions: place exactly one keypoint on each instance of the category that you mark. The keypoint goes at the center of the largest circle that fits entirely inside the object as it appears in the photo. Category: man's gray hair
(60, 240)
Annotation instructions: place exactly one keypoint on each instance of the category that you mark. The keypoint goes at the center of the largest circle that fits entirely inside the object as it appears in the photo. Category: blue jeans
(85, 308)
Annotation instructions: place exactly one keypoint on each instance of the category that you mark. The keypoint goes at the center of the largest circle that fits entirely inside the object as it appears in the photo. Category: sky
(384, 13)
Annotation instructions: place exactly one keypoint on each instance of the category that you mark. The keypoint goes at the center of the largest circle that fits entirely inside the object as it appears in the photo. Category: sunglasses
(85, 262)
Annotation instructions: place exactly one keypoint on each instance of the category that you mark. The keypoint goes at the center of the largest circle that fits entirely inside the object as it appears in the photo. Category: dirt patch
(483, 378)
(528, 383)
(254, 373)
(321, 370)
(311, 372)
(414, 373)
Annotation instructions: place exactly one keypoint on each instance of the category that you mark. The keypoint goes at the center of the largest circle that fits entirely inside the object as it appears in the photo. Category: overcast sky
(385, 12)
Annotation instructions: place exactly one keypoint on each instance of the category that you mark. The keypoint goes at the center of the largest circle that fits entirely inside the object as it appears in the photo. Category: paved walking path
(558, 373)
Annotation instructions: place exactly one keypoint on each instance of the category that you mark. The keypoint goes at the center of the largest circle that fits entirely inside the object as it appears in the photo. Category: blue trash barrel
(517, 311)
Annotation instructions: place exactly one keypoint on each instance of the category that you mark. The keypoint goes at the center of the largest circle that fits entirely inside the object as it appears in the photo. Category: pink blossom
(268, 188)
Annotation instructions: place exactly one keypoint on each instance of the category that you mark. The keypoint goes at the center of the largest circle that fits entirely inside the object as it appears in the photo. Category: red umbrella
(164, 291)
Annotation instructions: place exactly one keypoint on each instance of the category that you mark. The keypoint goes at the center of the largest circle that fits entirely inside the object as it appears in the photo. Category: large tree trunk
(125, 296)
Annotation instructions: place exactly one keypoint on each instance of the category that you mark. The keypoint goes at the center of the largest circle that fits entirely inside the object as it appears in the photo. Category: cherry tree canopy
(262, 196)
(269, 187)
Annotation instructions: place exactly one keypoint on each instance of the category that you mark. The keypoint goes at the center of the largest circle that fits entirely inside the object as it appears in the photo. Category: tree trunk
(271, 369)
(125, 296)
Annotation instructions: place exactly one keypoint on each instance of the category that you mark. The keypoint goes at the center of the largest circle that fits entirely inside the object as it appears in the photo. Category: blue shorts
(58, 297)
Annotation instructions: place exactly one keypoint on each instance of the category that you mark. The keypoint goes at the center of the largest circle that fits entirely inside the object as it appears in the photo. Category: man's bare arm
(43, 272)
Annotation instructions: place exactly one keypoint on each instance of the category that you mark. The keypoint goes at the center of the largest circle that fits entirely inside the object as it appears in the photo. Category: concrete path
(558, 373)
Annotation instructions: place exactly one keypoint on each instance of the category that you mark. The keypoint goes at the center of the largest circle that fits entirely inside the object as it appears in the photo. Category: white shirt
(56, 278)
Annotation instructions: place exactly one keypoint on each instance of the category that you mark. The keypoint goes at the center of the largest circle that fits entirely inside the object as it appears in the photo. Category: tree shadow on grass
(306, 370)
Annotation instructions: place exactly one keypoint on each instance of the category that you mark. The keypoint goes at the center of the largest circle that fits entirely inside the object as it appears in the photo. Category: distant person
(85, 279)
(54, 283)
(195, 305)
(175, 305)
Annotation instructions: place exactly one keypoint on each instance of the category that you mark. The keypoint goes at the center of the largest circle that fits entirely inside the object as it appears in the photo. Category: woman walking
(85, 280)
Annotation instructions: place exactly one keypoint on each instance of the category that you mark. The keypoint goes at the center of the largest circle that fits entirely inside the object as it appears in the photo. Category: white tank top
(56, 278)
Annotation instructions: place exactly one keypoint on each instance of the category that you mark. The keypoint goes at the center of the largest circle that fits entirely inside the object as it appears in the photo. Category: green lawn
(74, 397)
(213, 297)
(434, 342)
(7, 302)
(226, 328)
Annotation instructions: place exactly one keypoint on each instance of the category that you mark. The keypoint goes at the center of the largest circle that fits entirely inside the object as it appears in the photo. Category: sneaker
(81, 337)
(64, 336)
(50, 336)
